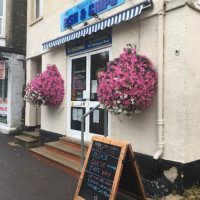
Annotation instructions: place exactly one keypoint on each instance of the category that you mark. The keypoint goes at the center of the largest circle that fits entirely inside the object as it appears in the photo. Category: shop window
(38, 8)
(3, 95)
(1, 17)
(78, 78)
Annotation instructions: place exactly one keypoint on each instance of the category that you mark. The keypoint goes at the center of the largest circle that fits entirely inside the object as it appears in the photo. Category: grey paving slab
(23, 177)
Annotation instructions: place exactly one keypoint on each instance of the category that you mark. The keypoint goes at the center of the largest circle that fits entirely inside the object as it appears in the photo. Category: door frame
(69, 78)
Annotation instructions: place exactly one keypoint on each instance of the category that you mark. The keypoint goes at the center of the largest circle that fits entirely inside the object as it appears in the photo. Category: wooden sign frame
(126, 150)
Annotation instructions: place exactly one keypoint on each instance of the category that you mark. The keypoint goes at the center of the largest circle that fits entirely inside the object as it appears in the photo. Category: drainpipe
(160, 123)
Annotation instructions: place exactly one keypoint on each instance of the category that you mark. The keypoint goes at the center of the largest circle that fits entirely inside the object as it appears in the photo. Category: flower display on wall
(46, 89)
(128, 84)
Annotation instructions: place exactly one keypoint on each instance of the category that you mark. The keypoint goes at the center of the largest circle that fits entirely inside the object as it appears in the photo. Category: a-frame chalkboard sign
(109, 167)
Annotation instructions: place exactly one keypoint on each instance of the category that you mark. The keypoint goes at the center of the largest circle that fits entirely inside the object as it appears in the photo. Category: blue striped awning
(99, 25)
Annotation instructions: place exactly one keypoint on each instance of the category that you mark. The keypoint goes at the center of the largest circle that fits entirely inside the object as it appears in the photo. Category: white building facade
(164, 136)
(12, 60)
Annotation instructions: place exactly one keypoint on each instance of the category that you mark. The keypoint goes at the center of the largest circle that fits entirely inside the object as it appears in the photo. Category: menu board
(109, 165)
(100, 171)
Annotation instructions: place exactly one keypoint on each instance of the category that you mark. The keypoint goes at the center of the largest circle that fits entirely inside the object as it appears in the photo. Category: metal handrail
(82, 129)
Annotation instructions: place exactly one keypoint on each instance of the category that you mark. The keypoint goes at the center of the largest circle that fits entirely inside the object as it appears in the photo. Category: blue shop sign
(84, 11)
(89, 44)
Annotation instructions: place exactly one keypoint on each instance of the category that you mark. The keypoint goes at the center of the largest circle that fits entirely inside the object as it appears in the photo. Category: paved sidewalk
(23, 177)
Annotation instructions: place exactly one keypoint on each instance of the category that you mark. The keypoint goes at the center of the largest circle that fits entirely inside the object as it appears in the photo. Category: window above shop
(38, 8)
(36, 13)
(1, 18)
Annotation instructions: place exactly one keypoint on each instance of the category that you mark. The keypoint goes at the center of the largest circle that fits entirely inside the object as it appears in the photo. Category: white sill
(36, 20)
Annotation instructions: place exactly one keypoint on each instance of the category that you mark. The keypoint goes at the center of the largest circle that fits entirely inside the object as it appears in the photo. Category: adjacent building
(81, 36)
(12, 62)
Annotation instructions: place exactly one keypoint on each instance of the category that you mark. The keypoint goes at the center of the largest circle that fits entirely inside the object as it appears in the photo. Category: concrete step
(65, 150)
(32, 134)
(66, 164)
(73, 142)
(26, 141)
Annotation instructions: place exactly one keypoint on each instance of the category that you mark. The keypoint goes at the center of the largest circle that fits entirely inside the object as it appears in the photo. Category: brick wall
(16, 18)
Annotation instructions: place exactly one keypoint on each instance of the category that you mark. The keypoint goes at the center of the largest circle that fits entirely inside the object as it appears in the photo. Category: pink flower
(46, 89)
(129, 83)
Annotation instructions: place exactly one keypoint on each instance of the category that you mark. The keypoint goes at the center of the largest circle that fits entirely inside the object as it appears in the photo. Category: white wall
(141, 129)
(30, 112)
(192, 86)
(55, 118)
(181, 75)
(16, 80)
(174, 85)
(2, 42)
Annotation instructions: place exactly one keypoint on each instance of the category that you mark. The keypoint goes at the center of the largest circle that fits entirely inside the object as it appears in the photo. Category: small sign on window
(96, 116)
(75, 114)
(2, 70)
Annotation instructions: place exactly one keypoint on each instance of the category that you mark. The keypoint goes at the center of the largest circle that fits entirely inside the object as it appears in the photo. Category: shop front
(3, 92)
(11, 89)
(80, 38)
(87, 51)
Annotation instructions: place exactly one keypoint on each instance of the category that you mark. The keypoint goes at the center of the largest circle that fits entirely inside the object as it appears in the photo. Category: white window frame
(2, 33)
(86, 53)
(40, 8)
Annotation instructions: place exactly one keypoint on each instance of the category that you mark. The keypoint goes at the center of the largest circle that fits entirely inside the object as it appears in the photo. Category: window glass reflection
(78, 79)
(97, 61)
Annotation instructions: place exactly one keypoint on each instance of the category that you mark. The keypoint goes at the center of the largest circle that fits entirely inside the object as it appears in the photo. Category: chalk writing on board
(100, 171)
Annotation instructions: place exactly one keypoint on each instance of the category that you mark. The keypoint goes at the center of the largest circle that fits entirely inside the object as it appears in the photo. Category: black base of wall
(155, 183)
(30, 128)
(47, 136)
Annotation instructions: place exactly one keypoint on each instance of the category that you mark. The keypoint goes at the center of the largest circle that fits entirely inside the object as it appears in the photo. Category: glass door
(83, 93)
(77, 90)
(97, 61)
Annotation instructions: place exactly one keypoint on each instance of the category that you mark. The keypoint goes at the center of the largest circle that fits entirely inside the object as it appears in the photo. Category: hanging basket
(46, 89)
(128, 84)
